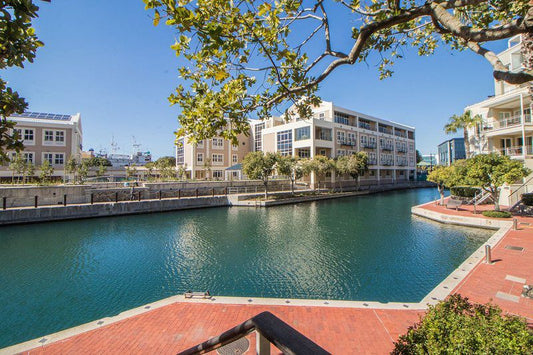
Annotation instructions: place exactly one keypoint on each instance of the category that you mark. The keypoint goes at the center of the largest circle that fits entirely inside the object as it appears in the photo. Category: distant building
(431, 159)
(46, 136)
(451, 150)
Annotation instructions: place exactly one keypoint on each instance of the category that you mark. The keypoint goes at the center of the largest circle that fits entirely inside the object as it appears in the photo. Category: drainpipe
(522, 118)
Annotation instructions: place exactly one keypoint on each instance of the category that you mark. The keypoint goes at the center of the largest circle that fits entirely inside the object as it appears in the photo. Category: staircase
(485, 195)
(515, 198)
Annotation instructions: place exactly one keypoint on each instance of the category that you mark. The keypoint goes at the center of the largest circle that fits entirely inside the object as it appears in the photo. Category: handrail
(283, 336)
(524, 184)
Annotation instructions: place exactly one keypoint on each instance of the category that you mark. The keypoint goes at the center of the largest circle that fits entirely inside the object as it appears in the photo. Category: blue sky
(107, 61)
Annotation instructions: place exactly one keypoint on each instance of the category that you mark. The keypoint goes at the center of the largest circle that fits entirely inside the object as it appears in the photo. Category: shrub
(527, 199)
(465, 191)
(497, 214)
(456, 326)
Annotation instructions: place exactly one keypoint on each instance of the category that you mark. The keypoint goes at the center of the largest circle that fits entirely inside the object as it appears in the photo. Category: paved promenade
(339, 330)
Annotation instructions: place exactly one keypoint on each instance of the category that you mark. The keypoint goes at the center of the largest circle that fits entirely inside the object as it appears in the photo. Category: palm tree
(464, 121)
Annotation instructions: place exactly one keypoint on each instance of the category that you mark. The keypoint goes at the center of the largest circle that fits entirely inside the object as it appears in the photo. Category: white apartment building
(50, 137)
(334, 131)
(507, 126)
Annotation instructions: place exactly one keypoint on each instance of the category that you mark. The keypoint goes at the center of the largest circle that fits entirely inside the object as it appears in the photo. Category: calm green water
(61, 274)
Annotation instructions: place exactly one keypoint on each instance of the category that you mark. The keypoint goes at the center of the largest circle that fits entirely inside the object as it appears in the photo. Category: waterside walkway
(340, 330)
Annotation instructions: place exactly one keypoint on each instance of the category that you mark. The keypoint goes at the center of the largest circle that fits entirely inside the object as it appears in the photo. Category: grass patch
(497, 214)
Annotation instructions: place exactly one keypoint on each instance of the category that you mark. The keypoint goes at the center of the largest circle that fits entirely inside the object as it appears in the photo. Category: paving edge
(440, 292)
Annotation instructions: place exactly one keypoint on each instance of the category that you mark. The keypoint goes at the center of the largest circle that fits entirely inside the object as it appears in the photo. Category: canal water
(61, 274)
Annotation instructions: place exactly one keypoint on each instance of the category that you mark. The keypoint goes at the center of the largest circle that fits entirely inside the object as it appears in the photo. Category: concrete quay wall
(54, 213)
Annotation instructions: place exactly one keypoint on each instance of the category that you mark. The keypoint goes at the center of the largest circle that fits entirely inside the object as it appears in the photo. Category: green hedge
(457, 326)
(527, 199)
(465, 191)
(497, 214)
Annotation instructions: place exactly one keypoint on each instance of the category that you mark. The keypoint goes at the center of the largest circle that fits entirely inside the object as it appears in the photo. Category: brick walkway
(339, 330)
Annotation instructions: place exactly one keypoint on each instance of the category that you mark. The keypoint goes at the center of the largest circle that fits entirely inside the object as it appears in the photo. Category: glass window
(258, 144)
(28, 157)
(304, 153)
(234, 158)
(59, 159)
(60, 136)
(28, 134)
(217, 174)
(217, 158)
(218, 142)
(284, 142)
(180, 152)
(200, 157)
(48, 136)
(49, 157)
(341, 118)
(341, 137)
(302, 133)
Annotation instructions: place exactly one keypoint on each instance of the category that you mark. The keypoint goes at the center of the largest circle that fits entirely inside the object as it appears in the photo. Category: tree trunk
(265, 182)
(441, 192)
(496, 197)
(467, 143)
(292, 187)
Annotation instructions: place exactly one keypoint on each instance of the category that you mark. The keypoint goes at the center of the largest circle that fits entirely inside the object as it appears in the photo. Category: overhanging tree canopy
(247, 57)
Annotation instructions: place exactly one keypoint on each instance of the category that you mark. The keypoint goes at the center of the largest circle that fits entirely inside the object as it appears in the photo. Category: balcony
(350, 143)
(369, 145)
(388, 147)
(387, 162)
(513, 121)
(401, 162)
(401, 149)
(365, 125)
(400, 134)
(515, 151)
(385, 130)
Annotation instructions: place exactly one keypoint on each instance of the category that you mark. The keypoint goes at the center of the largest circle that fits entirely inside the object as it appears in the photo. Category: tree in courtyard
(182, 171)
(259, 166)
(319, 165)
(150, 168)
(207, 168)
(83, 172)
(290, 167)
(71, 167)
(166, 161)
(491, 171)
(18, 45)
(97, 161)
(102, 169)
(464, 122)
(444, 177)
(29, 170)
(47, 170)
(457, 326)
(17, 166)
(246, 58)
(354, 165)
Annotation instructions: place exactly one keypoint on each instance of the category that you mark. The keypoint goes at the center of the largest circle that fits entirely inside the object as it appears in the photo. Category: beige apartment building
(335, 131)
(212, 158)
(507, 126)
(50, 137)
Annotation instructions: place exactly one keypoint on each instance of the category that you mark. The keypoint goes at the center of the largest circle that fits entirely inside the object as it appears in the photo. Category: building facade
(335, 131)
(507, 127)
(51, 137)
(332, 131)
(451, 150)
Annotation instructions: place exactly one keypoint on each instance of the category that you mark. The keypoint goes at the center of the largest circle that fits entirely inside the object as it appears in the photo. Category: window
(200, 157)
(217, 158)
(304, 153)
(28, 135)
(341, 118)
(234, 158)
(217, 174)
(60, 136)
(284, 142)
(341, 137)
(200, 144)
(351, 138)
(235, 147)
(218, 143)
(180, 152)
(28, 157)
(258, 129)
(48, 157)
(302, 133)
(48, 136)
(323, 152)
(364, 139)
(341, 152)
(59, 159)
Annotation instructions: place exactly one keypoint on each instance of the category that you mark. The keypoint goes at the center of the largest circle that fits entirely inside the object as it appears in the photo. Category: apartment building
(334, 131)
(507, 126)
(50, 137)
(451, 151)
(210, 158)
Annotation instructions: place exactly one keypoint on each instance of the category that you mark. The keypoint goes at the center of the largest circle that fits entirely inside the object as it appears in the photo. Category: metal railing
(516, 196)
(515, 120)
(269, 330)
(388, 147)
(515, 151)
(371, 145)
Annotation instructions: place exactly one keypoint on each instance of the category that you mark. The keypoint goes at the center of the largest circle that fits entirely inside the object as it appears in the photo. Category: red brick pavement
(339, 330)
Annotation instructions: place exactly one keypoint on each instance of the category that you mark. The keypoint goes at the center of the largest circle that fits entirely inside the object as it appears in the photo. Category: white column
(522, 119)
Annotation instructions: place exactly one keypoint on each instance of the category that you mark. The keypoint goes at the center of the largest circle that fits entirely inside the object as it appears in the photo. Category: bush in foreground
(497, 214)
(456, 326)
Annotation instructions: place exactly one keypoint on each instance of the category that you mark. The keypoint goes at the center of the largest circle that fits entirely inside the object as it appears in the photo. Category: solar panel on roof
(41, 115)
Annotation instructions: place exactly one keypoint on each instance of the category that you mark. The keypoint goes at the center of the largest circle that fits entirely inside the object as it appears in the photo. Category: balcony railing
(323, 136)
(371, 145)
(365, 125)
(401, 149)
(513, 121)
(387, 162)
(372, 161)
(346, 142)
(400, 134)
(388, 147)
(515, 151)
(401, 162)
(385, 130)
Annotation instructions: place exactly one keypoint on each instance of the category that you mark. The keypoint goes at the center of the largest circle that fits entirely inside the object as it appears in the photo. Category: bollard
(4, 203)
(64, 200)
(140, 196)
(92, 199)
(160, 194)
(116, 197)
(213, 191)
(488, 258)
(179, 193)
(515, 224)
(196, 192)
(36, 201)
